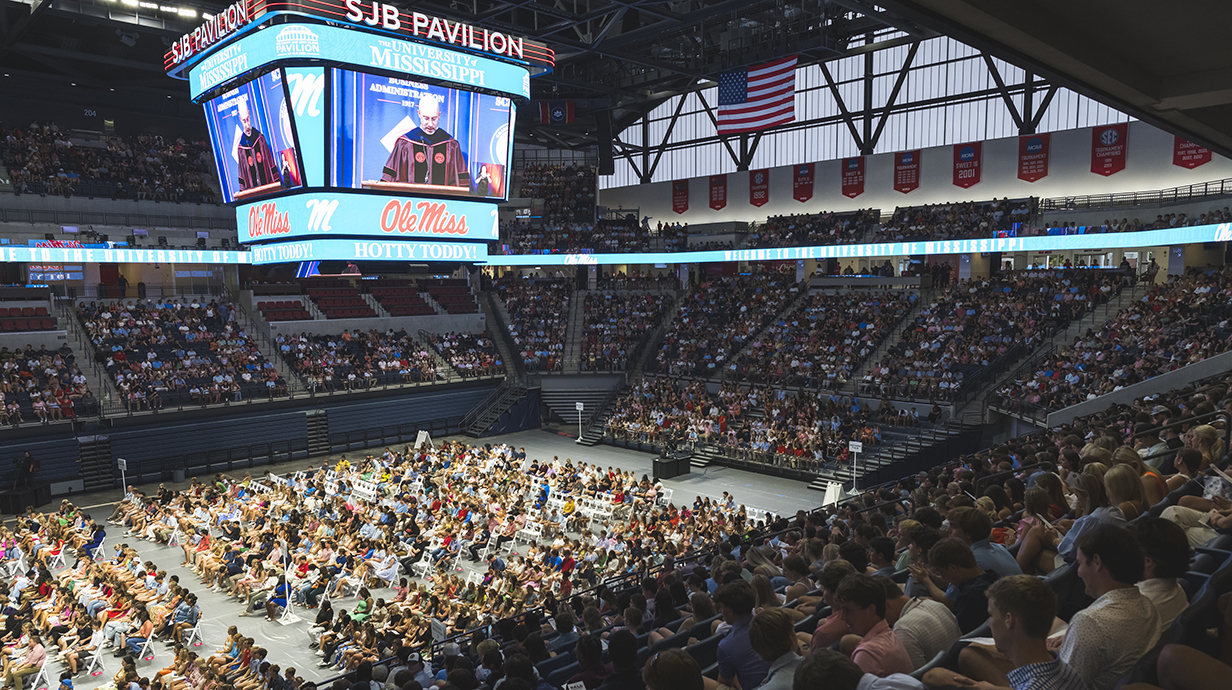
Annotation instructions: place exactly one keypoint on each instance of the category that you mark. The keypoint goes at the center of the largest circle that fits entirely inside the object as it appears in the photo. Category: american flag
(758, 97)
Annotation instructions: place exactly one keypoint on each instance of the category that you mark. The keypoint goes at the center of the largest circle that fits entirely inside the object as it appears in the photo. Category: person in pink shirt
(29, 665)
(862, 605)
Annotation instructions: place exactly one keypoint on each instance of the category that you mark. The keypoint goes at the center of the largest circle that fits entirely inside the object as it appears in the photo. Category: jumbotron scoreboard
(344, 130)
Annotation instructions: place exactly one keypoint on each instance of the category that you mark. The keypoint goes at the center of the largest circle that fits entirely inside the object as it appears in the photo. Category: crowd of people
(1177, 323)
(356, 361)
(568, 192)
(1069, 548)
(178, 351)
(540, 531)
(1162, 221)
(470, 354)
(41, 159)
(614, 323)
(539, 319)
(822, 342)
(956, 221)
(776, 426)
(717, 317)
(608, 236)
(42, 386)
(804, 230)
(974, 322)
(636, 280)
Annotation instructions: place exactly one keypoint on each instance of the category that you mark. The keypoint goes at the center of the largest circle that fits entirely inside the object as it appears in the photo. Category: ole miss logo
(419, 157)
(967, 153)
(1108, 137)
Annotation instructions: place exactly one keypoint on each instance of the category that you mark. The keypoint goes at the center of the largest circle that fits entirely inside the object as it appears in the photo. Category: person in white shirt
(1166, 557)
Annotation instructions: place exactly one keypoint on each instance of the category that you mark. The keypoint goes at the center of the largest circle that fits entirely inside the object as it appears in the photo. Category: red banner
(967, 158)
(718, 192)
(1187, 154)
(907, 171)
(802, 186)
(853, 176)
(680, 196)
(1108, 146)
(759, 187)
(1033, 157)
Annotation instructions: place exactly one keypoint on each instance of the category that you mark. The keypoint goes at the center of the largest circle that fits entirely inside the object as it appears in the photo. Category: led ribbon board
(1123, 240)
(365, 215)
(57, 255)
(366, 51)
(368, 250)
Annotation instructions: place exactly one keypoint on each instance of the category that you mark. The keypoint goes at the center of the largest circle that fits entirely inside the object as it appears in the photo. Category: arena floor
(288, 645)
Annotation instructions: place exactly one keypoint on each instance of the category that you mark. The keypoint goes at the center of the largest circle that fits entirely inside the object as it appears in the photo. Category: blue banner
(365, 51)
(86, 255)
(341, 214)
(1123, 240)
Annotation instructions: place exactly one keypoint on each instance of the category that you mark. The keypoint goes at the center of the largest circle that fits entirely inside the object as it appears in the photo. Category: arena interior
(436, 345)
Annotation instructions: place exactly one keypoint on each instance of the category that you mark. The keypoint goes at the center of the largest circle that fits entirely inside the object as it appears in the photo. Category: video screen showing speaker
(253, 139)
(400, 136)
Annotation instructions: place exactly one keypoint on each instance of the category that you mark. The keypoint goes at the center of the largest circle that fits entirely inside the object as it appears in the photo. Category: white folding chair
(193, 638)
(94, 663)
(42, 680)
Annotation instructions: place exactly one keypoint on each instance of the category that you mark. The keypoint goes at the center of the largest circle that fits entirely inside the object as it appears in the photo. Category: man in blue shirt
(737, 660)
(972, 526)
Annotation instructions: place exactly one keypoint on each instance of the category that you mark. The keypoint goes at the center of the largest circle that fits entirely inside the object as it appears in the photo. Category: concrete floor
(288, 645)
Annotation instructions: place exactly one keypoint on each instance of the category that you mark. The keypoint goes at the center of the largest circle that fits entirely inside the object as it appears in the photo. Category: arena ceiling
(616, 59)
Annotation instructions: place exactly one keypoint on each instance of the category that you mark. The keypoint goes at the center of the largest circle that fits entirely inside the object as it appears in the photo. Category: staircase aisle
(574, 331)
(498, 330)
(927, 296)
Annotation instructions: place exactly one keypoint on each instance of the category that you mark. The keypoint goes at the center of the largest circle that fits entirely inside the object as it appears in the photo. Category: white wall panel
(942, 68)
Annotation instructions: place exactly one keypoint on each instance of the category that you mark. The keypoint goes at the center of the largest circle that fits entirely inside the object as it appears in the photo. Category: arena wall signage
(1123, 240)
(331, 214)
(55, 255)
(273, 44)
(368, 250)
(372, 16)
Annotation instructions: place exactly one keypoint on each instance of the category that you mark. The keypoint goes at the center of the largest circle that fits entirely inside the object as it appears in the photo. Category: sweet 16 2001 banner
(402, 136)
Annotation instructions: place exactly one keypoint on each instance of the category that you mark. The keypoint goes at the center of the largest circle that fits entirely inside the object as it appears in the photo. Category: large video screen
(253, 139)
(406, 137)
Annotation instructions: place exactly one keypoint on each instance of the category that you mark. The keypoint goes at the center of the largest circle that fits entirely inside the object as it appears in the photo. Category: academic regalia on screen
(257, 164)
(420, 158)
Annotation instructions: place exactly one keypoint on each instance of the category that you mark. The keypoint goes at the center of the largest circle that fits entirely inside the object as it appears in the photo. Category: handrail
(1159, 196)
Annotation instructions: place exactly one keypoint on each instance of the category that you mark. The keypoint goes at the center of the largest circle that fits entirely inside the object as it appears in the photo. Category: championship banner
(680, 196)
(967, 164)
(1108, 146)
(853, 176)
(1033, 157)
(907, 171)
(1187, 154)
(802, 186)
(718, 192)
(759, 187)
